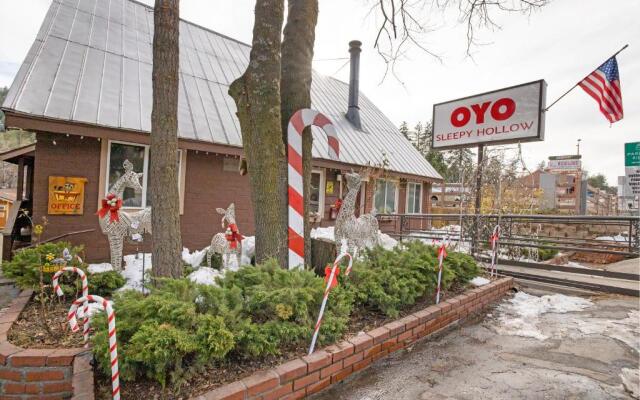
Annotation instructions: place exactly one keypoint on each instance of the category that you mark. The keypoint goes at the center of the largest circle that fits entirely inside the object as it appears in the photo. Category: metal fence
(522, 235)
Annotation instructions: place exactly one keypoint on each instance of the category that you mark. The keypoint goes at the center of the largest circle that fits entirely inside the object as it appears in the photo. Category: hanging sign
(66, 195)
(503, 116)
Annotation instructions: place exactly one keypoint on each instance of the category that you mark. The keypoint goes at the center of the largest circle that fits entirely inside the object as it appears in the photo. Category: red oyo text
(500, 110)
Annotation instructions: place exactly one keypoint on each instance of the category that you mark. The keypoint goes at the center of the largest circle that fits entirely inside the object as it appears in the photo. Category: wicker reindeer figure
(358, 232)
(119, 225)
(229, 242)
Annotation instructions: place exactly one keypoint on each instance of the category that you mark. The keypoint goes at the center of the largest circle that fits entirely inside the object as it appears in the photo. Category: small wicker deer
(229, 242)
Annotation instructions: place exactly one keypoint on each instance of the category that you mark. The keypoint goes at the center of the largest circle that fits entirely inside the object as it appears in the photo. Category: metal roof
(91, 62)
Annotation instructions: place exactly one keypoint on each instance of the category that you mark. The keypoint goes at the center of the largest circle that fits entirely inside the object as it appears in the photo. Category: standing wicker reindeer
(229, 242)
(118, 225)
(358, 232)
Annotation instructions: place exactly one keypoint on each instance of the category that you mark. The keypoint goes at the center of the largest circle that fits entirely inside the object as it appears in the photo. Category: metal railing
(522, 235)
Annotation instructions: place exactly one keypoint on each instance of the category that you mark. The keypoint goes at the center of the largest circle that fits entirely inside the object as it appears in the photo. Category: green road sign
(632, 154)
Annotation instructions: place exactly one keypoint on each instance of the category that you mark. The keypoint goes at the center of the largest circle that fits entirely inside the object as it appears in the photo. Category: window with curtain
(385, 199)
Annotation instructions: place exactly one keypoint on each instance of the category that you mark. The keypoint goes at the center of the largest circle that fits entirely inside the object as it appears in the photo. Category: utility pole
(478, 205)
(578, 146)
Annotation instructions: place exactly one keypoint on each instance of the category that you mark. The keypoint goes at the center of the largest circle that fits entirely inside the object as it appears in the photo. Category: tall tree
(163, 166)
(295, 88)
(257, 97)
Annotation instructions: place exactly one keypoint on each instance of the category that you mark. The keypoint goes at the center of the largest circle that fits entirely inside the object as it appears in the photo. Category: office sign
(507, 115)
(66, 195)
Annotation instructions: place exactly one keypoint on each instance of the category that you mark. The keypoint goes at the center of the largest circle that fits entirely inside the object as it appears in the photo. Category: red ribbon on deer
(327, 274)
(233, 236)
(110, 205)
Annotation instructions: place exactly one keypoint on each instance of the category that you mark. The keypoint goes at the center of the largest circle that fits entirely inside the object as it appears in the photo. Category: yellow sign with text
(66, 195)
(329, 187)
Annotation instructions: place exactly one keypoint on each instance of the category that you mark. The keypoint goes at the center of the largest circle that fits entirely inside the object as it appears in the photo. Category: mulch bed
(30, 331)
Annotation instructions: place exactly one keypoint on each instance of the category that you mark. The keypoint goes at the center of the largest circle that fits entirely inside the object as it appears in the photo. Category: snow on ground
(205, 275)
(631, 381)
(479, 281)
(520, 315)
(616, 238)
(194, 259)
(625, 330)
(327, 233)
(132, 271)
(98, 268)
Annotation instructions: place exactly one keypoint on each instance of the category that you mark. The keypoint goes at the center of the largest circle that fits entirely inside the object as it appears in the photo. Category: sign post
(510, 115)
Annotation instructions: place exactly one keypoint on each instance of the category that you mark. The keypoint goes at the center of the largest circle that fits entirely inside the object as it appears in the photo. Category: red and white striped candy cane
(300, 120)
(85, 292)
(325, 297)
(495, 237)
(442, 253)
(113, 343)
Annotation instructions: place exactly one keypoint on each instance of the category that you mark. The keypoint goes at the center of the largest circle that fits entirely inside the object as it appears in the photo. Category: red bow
(327, 274)
(494, 239)
(442, 251)
(110, 206)
(233, 236)
(338, 204)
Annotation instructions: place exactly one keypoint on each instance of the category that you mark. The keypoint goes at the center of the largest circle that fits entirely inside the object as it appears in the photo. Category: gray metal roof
(91, 63)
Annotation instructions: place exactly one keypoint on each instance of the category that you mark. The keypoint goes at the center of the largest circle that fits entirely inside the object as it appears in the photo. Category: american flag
(603, 85)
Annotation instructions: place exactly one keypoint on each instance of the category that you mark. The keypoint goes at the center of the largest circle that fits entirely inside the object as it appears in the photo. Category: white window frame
(396, 200)
(145, 171)
(406, 206)
(321, 189)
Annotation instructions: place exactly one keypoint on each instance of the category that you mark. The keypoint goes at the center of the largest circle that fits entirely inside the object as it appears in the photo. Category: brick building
(85, 89)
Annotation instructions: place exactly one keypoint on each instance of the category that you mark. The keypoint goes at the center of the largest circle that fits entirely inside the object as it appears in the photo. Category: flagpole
(576, 85)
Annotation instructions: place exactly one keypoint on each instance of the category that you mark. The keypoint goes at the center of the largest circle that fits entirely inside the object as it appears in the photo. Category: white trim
(396, 183)
(322, 188)
(406, 206)
(145, 170)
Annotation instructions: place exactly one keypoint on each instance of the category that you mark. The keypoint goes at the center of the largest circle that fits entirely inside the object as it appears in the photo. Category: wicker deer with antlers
(229, 242)
(118, 225)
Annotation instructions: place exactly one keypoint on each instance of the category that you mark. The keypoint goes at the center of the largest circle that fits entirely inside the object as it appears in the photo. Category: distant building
(448, 194)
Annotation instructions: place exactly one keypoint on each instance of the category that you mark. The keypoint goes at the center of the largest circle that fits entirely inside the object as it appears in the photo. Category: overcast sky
(561, 43)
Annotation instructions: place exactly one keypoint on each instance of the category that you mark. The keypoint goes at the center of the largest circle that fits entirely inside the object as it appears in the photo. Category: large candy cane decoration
(495, 236)
(300, 120)
(442, 253)
(325, 297)
(113, 344)
(85, 292)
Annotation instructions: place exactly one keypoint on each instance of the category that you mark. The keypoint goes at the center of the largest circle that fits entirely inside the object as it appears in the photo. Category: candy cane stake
(113, 343)
(85, 292)
(325, 297)
(442, 253)
(494, 250)
(300, 120)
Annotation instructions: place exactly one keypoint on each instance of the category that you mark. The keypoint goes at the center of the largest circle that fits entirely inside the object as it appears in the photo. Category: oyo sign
(503, 116)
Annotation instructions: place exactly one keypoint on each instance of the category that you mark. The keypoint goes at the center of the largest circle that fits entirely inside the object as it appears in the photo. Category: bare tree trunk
(163, 166)
(257, 96)
(295, 88)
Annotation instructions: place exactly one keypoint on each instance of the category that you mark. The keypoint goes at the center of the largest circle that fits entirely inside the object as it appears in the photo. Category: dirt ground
(572, 355)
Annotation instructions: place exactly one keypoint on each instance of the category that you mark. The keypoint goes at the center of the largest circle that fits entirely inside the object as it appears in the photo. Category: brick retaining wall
(40, 373)
(310, 374)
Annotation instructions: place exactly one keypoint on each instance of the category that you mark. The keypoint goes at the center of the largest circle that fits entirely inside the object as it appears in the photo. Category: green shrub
(26, 263)
(180, 325)
(390, 280)
(105, 283)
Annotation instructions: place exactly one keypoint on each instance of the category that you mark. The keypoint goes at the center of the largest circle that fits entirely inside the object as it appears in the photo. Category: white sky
(561, 43)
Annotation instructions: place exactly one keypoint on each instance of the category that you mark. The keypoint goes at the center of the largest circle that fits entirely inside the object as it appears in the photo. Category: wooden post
(478, 204)
(20, 188)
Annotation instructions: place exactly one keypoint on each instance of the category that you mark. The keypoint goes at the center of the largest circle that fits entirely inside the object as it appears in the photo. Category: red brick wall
(36, 373)
(307, 375)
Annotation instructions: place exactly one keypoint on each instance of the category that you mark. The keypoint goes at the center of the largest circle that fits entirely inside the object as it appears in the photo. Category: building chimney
(353, 112)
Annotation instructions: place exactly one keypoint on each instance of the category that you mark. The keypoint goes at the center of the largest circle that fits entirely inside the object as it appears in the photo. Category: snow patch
(520, 316)
(479, 281)
(99, 268)
(205, 276)
(616, 238)
(624, 330)
(194, 259)
(631, 381)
